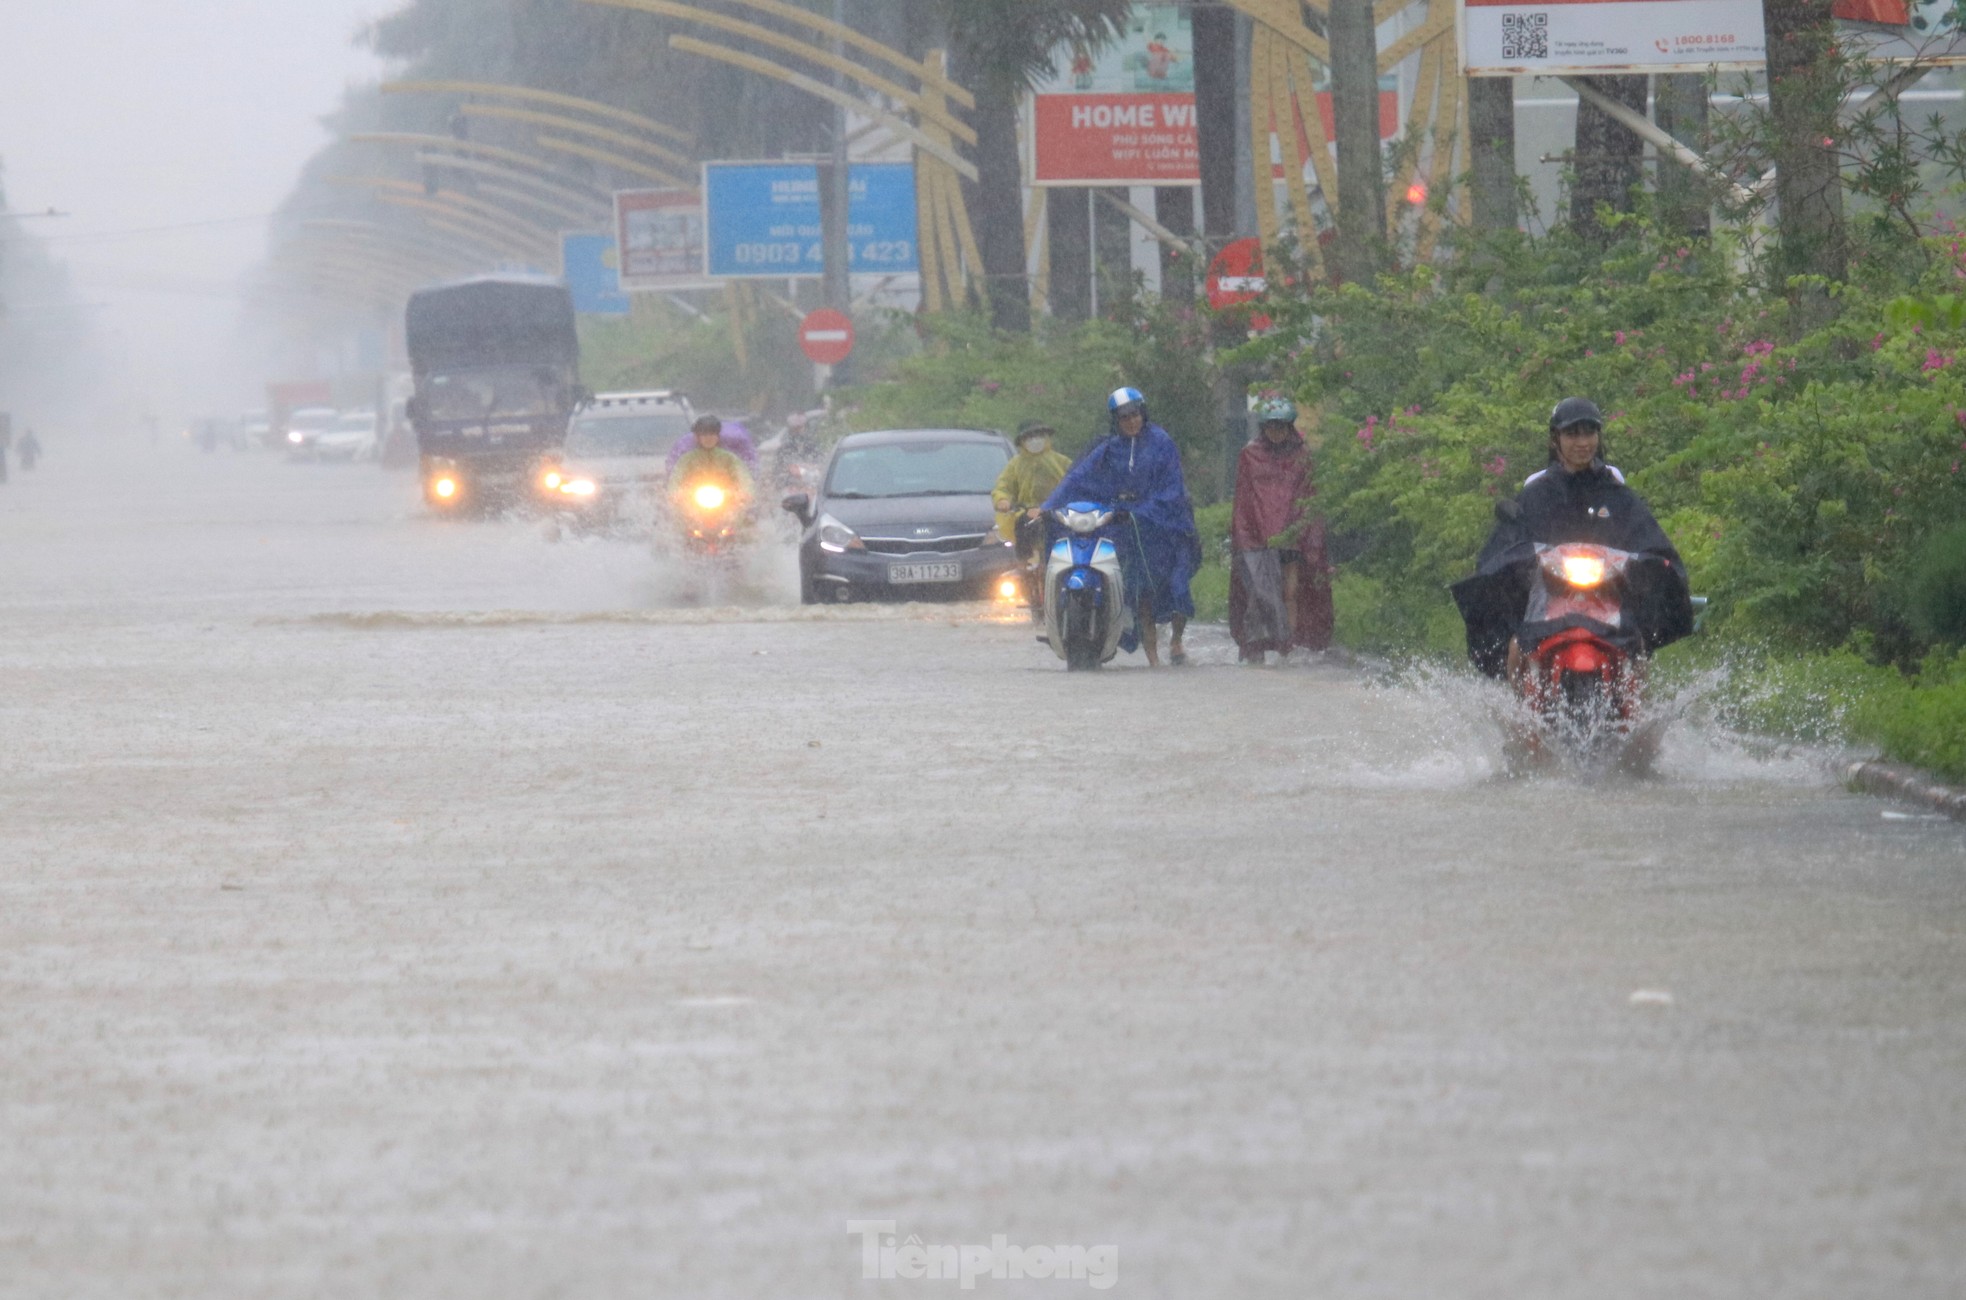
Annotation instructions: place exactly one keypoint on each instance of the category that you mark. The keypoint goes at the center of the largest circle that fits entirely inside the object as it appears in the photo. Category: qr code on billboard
(1525, 36)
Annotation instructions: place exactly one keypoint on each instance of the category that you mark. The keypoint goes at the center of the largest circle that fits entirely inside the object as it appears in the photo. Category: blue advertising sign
(592, 270)
(763, 220)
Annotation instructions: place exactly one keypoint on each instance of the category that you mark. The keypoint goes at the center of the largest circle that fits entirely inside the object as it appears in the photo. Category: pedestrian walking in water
(1279, 582)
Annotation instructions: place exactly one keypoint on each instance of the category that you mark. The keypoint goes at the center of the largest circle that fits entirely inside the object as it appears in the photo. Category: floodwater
(394, 907)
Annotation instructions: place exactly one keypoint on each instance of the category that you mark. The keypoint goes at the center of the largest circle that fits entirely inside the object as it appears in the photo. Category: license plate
(947, 571)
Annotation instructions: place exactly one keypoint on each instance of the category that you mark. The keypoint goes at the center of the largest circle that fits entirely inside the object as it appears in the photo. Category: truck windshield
(627, 435)
(495, 394)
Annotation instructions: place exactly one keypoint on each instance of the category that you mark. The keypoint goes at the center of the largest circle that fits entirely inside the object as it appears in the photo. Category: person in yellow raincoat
(711, 462)
(1025, 483)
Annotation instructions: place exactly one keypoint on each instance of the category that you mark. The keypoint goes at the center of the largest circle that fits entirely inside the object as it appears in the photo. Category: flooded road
(390, 907)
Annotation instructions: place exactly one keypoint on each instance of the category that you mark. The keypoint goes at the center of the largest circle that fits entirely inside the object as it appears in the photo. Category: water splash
(1457, 727)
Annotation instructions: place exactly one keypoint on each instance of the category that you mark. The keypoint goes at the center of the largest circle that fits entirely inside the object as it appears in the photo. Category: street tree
(1002, 48)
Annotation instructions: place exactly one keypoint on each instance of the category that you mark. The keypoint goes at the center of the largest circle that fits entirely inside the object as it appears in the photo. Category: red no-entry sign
(826, 337)
(1236, 275)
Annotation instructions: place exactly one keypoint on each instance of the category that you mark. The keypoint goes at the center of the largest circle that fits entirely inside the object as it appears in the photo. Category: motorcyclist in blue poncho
(1136, 469)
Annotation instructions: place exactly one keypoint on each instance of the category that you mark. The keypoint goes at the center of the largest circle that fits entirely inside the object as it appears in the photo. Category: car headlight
(552, 479)
(578, 487)
(836, 537)
(296, 437)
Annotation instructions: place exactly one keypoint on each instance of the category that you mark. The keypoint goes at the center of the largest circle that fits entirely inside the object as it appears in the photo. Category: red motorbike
(1581, 688)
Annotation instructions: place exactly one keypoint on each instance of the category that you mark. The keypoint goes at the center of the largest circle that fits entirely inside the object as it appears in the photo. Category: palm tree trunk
(1174, 208)
(1491, 128)
(996, 201)
(1215, 120)
(1803, 94)
(1680, 108)
(1608, 156)
(1069, 222)
(1355, 119)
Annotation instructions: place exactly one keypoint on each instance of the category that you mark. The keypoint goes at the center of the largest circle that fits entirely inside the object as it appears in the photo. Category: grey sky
(134, 114)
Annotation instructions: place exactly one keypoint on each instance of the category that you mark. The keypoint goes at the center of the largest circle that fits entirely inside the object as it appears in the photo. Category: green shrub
(1923, 721)
(1938, 588)
(970, 376)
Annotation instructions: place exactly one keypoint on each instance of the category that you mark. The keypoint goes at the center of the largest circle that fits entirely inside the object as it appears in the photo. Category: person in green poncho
(711, 462)
(1024, 484)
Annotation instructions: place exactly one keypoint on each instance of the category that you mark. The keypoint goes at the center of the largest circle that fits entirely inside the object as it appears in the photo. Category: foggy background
(169, 131)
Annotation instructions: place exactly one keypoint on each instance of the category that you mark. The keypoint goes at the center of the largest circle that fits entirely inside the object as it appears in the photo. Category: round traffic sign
(826, 336)
(1236, 275)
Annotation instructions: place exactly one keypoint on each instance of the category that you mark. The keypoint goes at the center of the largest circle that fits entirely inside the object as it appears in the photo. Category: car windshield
(627, 435)
(314, 420)
(355, 422)
(913, 469)
(486, 394)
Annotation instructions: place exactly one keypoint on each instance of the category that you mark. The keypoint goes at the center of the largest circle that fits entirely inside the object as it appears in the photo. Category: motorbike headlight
(1083, 521)
(445, 488)
(836, 537)
(709, 496)
(1583, 571)
(296, 437)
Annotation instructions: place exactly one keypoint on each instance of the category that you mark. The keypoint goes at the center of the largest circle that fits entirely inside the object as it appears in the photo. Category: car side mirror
(799, 504)
(1508, 511)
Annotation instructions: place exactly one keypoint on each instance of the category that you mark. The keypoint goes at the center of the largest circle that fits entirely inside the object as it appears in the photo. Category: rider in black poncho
(1578, 498)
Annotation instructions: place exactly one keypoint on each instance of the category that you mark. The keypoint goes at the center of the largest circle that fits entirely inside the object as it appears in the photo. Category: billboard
(592, 271)
(1514, 38)
(1580, 37)
(1125, 115)
(660, 237)
(762, 220)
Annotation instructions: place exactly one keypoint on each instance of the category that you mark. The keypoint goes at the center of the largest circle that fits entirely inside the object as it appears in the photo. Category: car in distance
(904, 514)
(617, 452)
(304, 426)
(353, 436)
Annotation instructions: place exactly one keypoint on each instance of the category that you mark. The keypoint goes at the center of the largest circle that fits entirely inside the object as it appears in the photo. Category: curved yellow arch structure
(575, 186)
(831, 94)
(561, 122)
(463, 203)
(493, 90)
(811, 53)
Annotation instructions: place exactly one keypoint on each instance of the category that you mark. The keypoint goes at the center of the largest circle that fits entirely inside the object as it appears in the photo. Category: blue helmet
(1123, 398)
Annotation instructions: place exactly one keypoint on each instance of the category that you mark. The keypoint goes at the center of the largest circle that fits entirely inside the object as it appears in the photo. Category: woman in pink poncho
(1279, 582)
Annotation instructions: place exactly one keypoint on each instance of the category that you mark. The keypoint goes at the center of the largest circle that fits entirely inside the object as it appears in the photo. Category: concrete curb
(1908, 784)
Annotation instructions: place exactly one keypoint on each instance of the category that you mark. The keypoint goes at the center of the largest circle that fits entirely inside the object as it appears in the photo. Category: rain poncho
(736, 438)
(1273, 483)
(1025, 482)
(1592, 505)
(1159, 547)
(714, 465)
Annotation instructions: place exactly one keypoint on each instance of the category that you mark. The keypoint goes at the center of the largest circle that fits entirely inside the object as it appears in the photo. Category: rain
(541, 758)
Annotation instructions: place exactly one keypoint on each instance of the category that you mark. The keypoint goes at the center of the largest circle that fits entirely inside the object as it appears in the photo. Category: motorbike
(712, 517)
(1084, 595)
(1581, 689)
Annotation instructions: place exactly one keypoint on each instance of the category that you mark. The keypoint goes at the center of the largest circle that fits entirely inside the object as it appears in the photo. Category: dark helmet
(1575, 410)
(1572, 411)
(707, 424)
(1031, 428)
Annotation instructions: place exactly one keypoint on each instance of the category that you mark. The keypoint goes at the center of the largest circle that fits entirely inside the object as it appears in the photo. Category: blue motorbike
(1085, 597)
